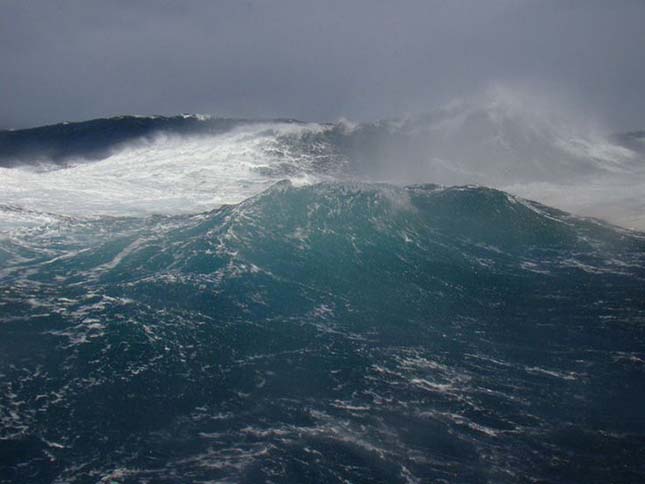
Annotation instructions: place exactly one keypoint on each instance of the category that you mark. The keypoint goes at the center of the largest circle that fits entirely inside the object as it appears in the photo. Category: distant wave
(96, 139)
(138, 166)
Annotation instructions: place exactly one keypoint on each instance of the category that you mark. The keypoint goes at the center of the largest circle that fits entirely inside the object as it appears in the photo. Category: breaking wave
(186, 164)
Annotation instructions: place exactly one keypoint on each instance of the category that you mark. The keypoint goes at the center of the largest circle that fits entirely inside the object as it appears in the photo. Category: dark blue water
(331, 333)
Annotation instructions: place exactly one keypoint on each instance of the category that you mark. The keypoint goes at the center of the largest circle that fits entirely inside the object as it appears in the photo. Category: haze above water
(527, 143)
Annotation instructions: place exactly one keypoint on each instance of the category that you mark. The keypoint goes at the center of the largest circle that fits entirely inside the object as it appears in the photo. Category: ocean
(452, 298)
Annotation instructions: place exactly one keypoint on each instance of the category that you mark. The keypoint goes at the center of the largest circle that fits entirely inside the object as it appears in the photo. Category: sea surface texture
(197, 299)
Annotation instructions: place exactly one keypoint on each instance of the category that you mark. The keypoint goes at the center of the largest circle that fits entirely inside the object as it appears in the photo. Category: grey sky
(361, 59)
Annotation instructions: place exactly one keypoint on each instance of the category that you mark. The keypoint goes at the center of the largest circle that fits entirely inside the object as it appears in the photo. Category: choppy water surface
(323, 329)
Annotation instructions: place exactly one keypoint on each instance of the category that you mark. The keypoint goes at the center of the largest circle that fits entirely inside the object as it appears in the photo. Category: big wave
(324, 333)
(156, 165)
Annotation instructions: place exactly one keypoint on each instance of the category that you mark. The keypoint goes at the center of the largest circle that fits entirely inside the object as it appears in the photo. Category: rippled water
(329, 333)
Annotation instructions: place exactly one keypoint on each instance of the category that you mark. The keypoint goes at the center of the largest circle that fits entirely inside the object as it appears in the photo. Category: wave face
(337, 332)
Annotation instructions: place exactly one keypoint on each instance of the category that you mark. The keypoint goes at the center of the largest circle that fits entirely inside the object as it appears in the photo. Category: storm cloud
(360, 59)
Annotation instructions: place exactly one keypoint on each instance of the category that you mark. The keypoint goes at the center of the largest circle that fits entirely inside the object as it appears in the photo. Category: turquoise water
(338, 332)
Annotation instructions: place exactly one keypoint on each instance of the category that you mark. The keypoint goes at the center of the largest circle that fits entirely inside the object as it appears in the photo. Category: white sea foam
(168, 175)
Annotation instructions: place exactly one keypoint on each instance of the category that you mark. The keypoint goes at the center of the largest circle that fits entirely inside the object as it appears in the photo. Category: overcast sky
(359, 59)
